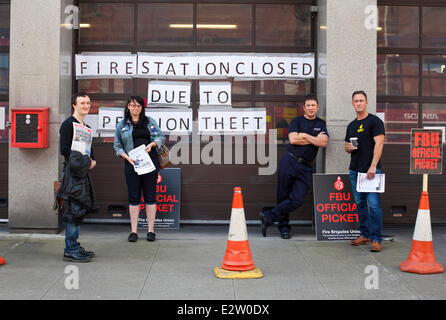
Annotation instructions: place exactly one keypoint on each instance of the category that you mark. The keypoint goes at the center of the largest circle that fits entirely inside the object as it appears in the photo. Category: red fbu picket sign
(168, 201)
(426, 151)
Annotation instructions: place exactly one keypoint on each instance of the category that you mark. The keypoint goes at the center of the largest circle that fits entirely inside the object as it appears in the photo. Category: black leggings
(146, 182)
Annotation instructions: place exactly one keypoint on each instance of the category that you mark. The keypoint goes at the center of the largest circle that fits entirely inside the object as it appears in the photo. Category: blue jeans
(369, 211)
(71, 235)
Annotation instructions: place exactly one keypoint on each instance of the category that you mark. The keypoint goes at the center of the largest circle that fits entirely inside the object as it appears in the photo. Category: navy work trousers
(294, 181)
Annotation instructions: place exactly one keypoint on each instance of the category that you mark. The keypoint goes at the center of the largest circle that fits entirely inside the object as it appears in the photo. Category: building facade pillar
(347, 51)
(40, 76)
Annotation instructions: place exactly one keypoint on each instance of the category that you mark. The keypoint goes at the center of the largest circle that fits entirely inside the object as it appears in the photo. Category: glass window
(4, 73)
(165, 24)
(4, 25)
(142, 87)
(283, 25)
(106, 86)
(241, 87)
(398, 27)
(434, 114)
(397, 75)
(96, 104)
(237, 87)
(400, 118)
(283, 87)
(224, 25)
(106, 24)
(434, 75)
(4, 134)
(280, 114)
(434, 33)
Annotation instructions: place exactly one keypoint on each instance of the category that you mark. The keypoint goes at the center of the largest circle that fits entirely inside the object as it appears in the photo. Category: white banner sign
(233, 121)
(196, 65)
(169, 121)
(2, 118)
(215, 94)
(100, 65)
(171, 93)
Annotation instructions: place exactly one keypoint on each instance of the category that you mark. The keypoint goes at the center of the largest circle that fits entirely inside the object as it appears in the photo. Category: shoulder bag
(163, 157)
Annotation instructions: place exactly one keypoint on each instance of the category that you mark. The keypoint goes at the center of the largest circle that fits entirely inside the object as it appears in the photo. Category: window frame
(420, 52)
(252, 97)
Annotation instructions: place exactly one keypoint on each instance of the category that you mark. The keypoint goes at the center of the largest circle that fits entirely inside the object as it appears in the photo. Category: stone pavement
(179, 266)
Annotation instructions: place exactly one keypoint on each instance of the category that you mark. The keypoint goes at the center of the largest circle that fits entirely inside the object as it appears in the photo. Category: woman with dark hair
(134, 130)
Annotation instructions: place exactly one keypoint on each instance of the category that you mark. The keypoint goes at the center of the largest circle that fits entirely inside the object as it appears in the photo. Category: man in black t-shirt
(306, 134)
(364, 140)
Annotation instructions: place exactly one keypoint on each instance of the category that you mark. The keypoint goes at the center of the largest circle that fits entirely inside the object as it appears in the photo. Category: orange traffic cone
(421, 257)
(238, 262)
(2, 261)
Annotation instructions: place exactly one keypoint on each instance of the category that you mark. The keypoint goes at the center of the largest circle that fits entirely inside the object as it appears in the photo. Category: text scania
(236, 309)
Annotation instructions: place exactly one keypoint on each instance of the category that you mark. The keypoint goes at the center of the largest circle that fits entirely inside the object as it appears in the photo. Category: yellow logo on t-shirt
(361, 128)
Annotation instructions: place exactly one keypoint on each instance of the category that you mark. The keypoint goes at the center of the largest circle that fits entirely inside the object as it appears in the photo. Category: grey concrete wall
(40, 46)
(347, 45)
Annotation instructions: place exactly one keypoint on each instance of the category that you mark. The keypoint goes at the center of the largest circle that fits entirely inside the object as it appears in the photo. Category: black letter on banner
(105, 120)
(223, 68)
(244, 123)
(184, 124)
(173, 96)
(252, 69)
(207, 96)
(222, 123)
(232, 122)
(128, 67)
(158, 64)
(271, 70)
(83, 67)
(227, 97)
(113, 66)
(182, 97)
(184, 64)
(236, 68)
(281, 68)
(303, 69)
(159, 96)
(171, 69)
(206, 122)
(207, 71)
(258, 122)
(118, 119)
(144, 66)
(175, 123)
(294, 67)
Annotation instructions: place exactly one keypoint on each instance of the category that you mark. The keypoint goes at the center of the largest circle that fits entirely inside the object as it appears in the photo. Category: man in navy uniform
(306, 134)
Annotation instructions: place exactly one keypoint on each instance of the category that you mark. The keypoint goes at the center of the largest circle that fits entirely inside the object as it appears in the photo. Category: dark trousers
(136, 183)
(294, 181)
